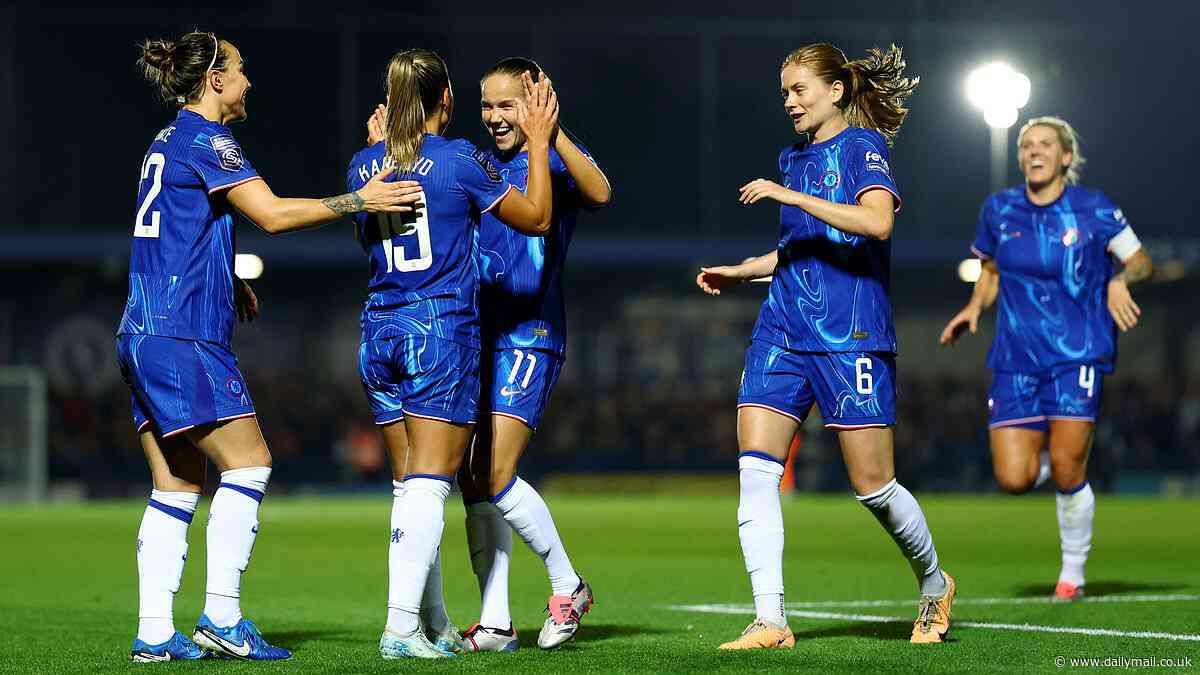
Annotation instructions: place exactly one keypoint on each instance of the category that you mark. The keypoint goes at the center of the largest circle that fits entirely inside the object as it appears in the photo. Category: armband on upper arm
(1125, 244)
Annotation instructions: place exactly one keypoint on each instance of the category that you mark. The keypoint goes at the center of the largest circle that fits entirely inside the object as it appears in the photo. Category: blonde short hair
(1066, 137)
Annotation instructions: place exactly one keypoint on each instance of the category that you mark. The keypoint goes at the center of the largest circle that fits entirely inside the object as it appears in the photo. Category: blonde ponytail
(416, 79)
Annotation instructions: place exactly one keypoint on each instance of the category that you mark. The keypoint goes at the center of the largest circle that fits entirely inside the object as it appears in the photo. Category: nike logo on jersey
(510, 391)
(242, 650)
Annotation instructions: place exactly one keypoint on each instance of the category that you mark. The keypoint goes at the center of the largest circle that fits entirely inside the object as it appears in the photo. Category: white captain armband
(1125, 244)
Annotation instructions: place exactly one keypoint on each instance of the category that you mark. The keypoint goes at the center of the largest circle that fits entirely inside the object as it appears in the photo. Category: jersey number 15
(400, 225)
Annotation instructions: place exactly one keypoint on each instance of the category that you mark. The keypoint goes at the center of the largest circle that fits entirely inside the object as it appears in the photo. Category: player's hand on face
(245, 301)
(376, 123)
(762, 188)
(379, 195)
(966, 320)
(712, 279)
(538, 114)
(1124, 310)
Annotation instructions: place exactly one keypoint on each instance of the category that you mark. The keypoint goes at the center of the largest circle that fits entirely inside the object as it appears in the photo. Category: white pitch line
(996, 601)
(1024, 627)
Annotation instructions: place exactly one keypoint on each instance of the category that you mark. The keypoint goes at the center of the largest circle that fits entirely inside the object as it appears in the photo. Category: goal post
(23, 434)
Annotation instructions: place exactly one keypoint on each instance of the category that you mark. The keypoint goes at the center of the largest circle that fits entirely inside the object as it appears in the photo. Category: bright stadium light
(969, 270)
(997, 86)
(999, 91)
(1000, 118)
(247, 266)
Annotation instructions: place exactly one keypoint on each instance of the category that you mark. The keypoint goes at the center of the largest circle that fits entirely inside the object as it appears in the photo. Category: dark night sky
(678, 101)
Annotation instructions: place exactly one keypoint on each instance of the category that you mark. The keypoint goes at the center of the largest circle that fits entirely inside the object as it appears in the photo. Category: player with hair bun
(825, 333)
(190, 402)
(1047, 250)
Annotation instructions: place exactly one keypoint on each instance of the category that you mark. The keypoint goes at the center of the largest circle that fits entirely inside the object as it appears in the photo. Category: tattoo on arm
(344, 204)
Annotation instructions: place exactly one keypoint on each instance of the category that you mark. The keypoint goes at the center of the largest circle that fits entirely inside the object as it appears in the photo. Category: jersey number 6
(862, 374)
(404, 224)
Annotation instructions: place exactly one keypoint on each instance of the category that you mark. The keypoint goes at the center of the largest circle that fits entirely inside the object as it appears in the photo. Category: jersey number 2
(396, 224)
(154, 163)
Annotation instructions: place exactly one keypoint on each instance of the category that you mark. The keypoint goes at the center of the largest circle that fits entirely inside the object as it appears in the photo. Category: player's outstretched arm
(593, 185)
(712, 279)
(984, 295)
(1124, 310)
(872, 217)
(531, 213)
(277, 215)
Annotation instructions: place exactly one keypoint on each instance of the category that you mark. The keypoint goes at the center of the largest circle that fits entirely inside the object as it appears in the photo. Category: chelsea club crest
(830, 179)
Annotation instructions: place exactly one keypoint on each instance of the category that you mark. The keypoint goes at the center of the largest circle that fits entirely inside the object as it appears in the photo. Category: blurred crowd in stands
(649, 387)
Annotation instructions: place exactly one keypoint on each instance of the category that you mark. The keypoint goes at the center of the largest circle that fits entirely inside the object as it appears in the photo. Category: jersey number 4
(402, 225)
(154, 164)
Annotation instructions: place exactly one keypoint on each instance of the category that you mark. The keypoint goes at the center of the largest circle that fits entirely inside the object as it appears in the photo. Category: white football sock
(433, 603)
(232, 528)
(1043, 468)
(489, 539)
(418, 517)
(525, 510)
(760, 529)
(1076, 511)
(898, 511)
(161, 551)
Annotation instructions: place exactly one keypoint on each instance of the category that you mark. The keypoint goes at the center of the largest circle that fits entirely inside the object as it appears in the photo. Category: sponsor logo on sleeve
(228, 152)
(485, 163)
(876, 162)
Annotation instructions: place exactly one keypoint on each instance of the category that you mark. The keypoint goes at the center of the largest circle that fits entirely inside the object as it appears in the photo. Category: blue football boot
(178, 648)
(240, 641)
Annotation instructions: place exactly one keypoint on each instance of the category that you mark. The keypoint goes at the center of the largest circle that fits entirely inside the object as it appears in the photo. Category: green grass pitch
(317, 584)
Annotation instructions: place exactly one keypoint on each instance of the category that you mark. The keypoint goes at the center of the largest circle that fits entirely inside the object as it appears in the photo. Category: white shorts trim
(1019, 420)
(512, 416)
(767, 407)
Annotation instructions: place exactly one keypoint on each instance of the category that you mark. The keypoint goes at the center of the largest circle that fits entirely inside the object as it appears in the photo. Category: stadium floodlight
(997, 86)
(969, 270)
(247, 266)
(999, 91)
(1000, 118)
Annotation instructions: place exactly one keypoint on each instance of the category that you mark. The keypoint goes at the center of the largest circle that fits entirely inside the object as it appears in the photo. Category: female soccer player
(419, 357)
(173, 343)
(1045, 250)
(825, 332)
(524, 328)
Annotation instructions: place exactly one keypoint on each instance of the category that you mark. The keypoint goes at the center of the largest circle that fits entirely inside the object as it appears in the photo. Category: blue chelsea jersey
(424, 272)
(830, 289)
(181, 256)
(1054, 269)
(521, 294)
